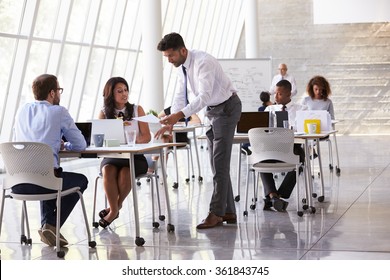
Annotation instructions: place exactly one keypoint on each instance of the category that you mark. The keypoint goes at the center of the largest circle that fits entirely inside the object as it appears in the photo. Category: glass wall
(84, 42)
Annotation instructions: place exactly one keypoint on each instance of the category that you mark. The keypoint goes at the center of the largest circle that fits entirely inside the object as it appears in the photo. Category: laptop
(250, 120)
(280, 117)
(112, 129)
(86, 131)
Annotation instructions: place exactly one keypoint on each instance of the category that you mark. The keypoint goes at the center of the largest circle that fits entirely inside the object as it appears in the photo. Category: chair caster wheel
(156, 225)
(245, 213)
(321, 198)
(139, 241)
(200, 179)
(252, 207)
(170, 228)
(161, 217)
(92, 244)
(300, 213)
(305, 207)
(314, 195)
(312, 209)
(303, 200)
(237, 198)
(23, 239)
(175, 185)
(61, 254)
(95, 224)
(187, 180)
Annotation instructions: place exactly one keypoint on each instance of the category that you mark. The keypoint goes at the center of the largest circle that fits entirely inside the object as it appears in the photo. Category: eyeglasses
(60, 89)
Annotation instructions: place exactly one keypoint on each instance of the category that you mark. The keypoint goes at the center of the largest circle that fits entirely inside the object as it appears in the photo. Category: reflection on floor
(352, 223)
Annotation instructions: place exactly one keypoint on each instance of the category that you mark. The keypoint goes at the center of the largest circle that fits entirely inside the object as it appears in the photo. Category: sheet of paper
(150, 118)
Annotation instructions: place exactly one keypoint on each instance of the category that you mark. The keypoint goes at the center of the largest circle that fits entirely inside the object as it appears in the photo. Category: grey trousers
(223, 120)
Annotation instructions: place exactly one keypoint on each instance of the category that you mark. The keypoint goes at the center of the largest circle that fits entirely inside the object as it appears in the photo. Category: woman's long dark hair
(109, 100)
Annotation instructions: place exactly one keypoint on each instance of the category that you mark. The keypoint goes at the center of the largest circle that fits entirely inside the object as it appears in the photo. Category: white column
(153, 95)
(251, 30)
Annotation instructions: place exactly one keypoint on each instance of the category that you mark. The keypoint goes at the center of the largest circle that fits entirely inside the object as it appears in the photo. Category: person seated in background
(116, 172)
(181, 137)
(275, 197)
(265, 98)
(45, 121)
(318, 89)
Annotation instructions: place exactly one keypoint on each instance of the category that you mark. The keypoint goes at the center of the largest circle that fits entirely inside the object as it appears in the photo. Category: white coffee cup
(312, 128)
(131, 136)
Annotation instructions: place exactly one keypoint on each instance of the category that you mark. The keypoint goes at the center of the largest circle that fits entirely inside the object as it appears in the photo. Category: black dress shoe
(279, 204)
(230, 218)
(267, 204)
(211, 221)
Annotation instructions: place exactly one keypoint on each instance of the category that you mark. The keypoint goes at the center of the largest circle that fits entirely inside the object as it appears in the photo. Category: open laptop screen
(250, 120)
(86, 131)
(112, 129)
(280, 117)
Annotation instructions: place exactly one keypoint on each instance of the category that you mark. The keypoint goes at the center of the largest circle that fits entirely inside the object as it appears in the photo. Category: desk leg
(309, 186)
(321, 197)
(170, 227)
(139, 241)
(200, 178)
(337, 155)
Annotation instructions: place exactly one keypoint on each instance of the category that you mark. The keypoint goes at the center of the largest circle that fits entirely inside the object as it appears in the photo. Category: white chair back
(29, 162)
(272, 144)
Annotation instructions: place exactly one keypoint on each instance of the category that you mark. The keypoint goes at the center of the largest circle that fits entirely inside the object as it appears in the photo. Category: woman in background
(319, 91)
(116, 172)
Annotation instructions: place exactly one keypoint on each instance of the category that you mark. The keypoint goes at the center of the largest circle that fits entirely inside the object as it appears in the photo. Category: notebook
(112, 129)
(280, 117)
(250, 120)
(86, 131)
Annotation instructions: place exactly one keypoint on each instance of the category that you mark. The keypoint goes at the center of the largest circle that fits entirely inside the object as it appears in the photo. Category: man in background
(283, 76)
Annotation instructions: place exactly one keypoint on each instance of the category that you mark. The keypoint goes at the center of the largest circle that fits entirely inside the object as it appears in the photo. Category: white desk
(191, 129)
(129, 152)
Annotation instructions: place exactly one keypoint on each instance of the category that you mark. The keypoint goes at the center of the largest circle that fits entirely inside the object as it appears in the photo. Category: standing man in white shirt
(283, 76)
(211, 88)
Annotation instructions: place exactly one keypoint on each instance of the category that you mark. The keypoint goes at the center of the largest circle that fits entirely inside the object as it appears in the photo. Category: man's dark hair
(42, 85)
(284, 84)
(171, 41)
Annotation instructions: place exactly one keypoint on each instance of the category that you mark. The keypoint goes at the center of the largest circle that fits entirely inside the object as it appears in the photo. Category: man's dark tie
(284, 108)
(185, 88)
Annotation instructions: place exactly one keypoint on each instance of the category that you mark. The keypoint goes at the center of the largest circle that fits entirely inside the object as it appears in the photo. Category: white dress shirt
(291, 109)
(287, 77)
(206, 81)
(40, 121)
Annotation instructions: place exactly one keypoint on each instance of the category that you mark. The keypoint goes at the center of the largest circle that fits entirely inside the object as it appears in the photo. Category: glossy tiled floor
(352, 223)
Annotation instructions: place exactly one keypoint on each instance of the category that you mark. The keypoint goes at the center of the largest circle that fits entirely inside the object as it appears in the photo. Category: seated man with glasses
(45, 121)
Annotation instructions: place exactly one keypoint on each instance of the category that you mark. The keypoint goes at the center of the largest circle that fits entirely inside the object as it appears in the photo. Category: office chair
(32, 163)
(271, 144)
